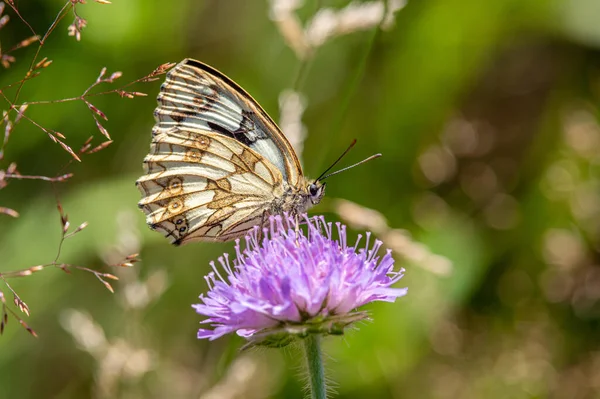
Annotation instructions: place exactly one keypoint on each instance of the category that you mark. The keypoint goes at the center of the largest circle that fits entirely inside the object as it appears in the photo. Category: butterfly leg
(297, 227)
(264, 218)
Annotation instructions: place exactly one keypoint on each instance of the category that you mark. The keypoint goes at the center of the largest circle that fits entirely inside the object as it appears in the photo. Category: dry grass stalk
(17, 110)
(66, 233)
(328, 23)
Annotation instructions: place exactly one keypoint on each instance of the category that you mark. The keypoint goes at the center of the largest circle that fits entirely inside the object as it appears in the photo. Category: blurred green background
(487, 114)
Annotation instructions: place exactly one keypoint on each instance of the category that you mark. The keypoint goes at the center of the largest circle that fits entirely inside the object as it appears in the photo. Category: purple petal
(292, 276)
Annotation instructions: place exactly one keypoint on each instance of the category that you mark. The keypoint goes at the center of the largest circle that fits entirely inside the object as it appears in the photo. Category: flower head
(294, 282)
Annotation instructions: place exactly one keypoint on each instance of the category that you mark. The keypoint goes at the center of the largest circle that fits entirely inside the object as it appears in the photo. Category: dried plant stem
(66, 233)
(15, 112)
(37, 66)
(314, 363)
(44, 178)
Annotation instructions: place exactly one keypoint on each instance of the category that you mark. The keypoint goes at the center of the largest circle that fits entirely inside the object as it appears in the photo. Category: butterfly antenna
(350, 167)
(337, 160)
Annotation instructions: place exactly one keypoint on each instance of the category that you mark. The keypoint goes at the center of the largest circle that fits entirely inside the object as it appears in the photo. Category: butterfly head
(316, 190)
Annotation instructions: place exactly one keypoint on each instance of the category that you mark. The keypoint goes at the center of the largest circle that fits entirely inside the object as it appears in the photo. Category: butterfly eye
(313, 189)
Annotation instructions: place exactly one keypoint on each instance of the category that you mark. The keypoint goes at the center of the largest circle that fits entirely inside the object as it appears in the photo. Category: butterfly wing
(200, 185)
(195, 95)
(217, 160)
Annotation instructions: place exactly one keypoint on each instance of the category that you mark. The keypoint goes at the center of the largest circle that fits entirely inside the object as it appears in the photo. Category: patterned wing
(198, 97)
(201, 185)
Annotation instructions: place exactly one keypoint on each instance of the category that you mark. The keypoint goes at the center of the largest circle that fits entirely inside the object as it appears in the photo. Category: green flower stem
(314, 362)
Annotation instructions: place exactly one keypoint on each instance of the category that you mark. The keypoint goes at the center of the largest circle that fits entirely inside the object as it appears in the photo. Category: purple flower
(295, 283)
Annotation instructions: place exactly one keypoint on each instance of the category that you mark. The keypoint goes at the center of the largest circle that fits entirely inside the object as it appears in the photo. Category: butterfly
(218, 164)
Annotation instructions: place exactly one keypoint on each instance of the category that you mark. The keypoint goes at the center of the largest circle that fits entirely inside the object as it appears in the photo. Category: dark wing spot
(247, 125)
(177, 116)
(204, 103)
(242, 138)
